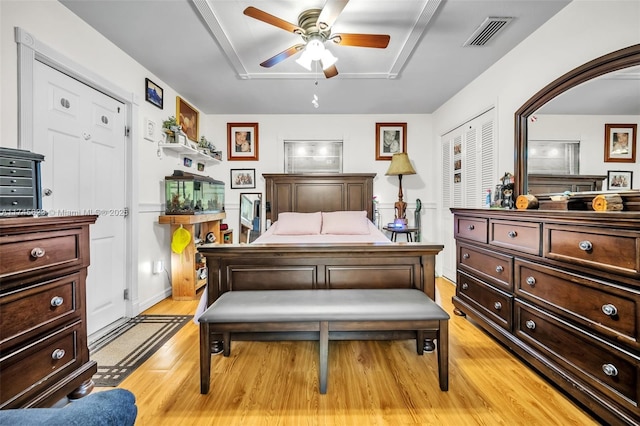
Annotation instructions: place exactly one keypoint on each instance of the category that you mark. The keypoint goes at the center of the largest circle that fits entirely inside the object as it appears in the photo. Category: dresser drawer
(16, 181)
(604, 308)
(588, 360)
(16, 190)
(490, 302)
(16, 171)
(15, 162)
(12, 202)
(610, 250)
(35, 310)
(40, 250)
(493, 267)
(33, 367)
(471, 228)
(521, 236)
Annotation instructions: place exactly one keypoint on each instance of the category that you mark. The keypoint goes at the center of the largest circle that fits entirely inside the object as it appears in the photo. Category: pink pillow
(298, 224)
(345, 223)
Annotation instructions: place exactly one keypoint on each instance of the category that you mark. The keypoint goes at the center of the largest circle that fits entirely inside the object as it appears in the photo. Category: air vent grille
(487, 30)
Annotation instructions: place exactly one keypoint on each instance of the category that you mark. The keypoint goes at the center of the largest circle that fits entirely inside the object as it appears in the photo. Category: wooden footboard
(318, 266)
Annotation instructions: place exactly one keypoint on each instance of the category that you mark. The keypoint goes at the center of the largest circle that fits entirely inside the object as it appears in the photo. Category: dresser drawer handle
(57, 301)
(499, 268)
(13, 171)
(58, 354)
(610, 370)
(37, 252)
(465, 256)
(14, 203)
(585, 245)
(609, 309)
(471, 227)
(512, 234)
(531, 325)
(465, 286)
(531, 281)
(497, 305)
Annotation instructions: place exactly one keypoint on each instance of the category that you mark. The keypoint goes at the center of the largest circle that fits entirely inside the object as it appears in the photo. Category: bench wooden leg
(324, 355)
(443, 355)
(205, 358)
(420, 342)
(226, 343)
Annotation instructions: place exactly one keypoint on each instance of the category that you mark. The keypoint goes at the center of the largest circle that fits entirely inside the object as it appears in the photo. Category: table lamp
(400, 165)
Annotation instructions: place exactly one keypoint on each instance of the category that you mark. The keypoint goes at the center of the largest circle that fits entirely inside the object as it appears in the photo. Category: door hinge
(126, 131)
(126, 294)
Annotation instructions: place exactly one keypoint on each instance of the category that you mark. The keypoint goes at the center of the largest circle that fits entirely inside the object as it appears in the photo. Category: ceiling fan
(314, 26)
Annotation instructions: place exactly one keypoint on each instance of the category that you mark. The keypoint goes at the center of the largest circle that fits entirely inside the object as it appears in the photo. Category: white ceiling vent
(486, 31)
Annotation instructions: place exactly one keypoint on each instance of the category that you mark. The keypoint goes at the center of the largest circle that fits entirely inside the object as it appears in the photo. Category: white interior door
(80, 131)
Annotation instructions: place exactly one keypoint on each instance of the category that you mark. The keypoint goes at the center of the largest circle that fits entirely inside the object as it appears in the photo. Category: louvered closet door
(468, 170)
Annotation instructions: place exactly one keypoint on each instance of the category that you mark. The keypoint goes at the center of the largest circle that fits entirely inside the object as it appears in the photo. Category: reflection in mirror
(575, 108)
(250, 223)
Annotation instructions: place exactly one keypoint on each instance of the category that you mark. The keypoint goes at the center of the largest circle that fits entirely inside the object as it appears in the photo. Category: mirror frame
(240, 213)
(614, 61)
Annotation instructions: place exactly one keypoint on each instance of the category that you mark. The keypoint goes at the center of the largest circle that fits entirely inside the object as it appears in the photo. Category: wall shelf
(187, 151)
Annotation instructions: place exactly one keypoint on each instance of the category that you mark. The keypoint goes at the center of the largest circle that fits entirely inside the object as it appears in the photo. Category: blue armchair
(115, 407)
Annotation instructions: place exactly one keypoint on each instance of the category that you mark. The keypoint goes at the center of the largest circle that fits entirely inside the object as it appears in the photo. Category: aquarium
(188, 193)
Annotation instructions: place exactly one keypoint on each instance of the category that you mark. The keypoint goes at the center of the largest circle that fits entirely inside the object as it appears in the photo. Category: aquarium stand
(185, 280)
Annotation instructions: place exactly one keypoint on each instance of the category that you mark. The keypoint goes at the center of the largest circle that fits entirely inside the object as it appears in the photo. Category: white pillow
(298, 224)
(345, 223)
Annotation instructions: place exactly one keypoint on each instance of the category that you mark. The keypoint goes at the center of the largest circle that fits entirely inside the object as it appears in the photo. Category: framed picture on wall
(391, 138)
(153, 93)
(620, 143)
(618, 180)
(243, 178)
(187, 117)
(242, 141)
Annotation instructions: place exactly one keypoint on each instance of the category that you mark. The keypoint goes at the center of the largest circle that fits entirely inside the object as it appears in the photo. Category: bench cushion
(323, 305)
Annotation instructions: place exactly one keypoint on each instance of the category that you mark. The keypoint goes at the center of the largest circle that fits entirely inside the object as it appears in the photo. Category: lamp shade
(400, 165)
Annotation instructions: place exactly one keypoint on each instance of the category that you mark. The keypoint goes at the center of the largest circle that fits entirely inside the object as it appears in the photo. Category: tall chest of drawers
(43, 332)
(20, 190)
(561, 289)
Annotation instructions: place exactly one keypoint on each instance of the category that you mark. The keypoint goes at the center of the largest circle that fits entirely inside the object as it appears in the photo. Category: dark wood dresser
(43, 330)
(561, 289)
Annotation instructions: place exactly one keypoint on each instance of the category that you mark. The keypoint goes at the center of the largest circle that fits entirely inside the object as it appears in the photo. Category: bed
(319, 260)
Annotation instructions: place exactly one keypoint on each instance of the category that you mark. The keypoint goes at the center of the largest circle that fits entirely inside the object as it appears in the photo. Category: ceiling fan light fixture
(327, 59)
(304, 60)
(315, 48)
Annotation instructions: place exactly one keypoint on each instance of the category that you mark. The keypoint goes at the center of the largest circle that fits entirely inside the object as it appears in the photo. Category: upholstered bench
(324, 312)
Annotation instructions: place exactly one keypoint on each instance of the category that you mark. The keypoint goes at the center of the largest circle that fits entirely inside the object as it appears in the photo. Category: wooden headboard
(308, 193)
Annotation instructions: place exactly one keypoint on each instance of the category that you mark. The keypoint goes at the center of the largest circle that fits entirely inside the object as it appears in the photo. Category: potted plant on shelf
(170, 127)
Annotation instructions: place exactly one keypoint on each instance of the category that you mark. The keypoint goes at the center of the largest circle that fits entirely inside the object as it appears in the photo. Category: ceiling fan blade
(330, 12)
(281, 56)
(273, 20)
(379, 41)
(332, 71)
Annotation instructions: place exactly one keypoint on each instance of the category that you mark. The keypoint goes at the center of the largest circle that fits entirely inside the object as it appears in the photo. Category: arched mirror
(582, 86)
(250, 216)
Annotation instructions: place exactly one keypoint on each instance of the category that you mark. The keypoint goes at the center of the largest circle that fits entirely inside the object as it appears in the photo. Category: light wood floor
(369, 383)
